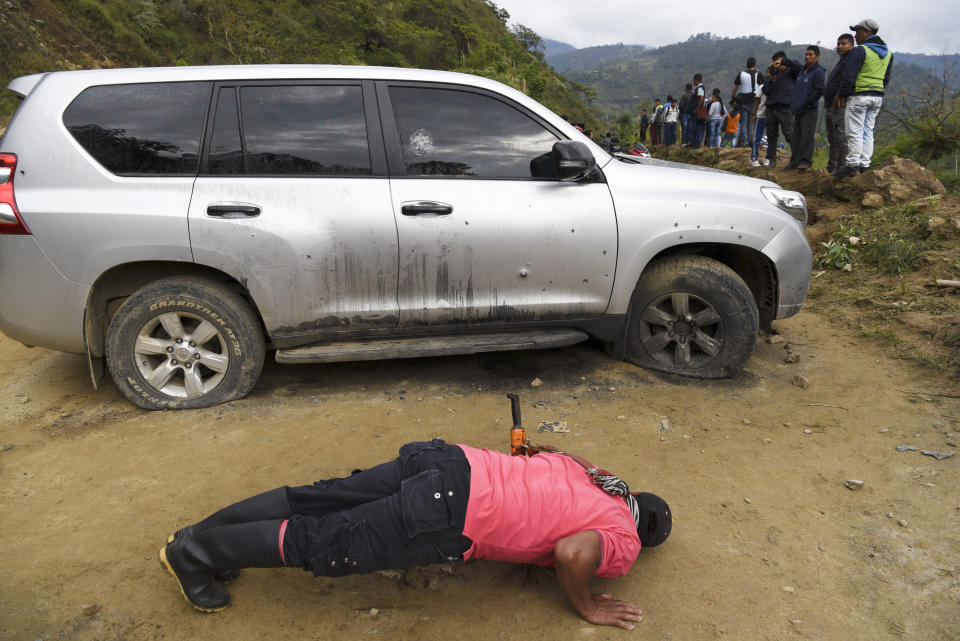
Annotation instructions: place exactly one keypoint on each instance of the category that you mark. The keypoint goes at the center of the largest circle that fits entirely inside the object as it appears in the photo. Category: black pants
(396, 515)
(837, 137)
(801, 148)
(779, 118)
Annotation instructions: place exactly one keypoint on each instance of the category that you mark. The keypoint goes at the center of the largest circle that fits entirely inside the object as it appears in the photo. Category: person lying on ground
(434, 503)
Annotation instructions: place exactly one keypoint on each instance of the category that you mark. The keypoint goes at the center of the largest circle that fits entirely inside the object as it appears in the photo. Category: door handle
(233, 211)
(416, 208)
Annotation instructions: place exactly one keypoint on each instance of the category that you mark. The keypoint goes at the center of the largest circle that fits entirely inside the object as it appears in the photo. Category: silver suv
(174, 224)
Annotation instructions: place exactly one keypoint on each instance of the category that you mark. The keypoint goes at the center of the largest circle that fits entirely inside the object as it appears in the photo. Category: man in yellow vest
(861, 94)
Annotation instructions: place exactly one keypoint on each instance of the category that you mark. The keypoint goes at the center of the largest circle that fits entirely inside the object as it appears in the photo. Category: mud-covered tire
(184, 343)
(691, 315)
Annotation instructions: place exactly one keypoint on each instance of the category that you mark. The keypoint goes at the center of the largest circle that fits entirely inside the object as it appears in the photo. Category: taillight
(10, 221)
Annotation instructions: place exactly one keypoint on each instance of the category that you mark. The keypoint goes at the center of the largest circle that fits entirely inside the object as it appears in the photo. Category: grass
(893, 240)
(950, 180)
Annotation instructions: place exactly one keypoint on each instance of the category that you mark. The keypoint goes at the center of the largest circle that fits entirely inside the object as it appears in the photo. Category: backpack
(754, 85)
(700, 112)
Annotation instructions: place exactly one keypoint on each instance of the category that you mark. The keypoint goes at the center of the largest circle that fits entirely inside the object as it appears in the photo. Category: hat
(867, 23)
(655, 519)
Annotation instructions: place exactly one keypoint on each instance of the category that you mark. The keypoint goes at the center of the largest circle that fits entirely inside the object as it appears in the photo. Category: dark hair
(845, 36)
(697, 78)
(815, 49)
(779, 54)
(751, 62)
(669, 98)
(688, 87)
(716, 91)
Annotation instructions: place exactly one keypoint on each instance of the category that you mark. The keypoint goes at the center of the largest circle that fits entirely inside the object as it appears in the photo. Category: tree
(626, 127)
(501, 14)
(931, 117)
(529, 39)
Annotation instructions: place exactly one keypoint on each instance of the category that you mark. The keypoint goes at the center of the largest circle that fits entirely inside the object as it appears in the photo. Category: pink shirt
(521, 506)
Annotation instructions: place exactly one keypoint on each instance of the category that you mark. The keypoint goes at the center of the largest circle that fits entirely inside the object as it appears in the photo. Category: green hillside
(460, 35)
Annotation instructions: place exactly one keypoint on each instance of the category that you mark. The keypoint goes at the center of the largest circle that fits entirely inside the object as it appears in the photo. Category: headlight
(791, 202)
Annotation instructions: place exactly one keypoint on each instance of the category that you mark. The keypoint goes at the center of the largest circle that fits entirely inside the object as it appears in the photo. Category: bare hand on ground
(608, 611)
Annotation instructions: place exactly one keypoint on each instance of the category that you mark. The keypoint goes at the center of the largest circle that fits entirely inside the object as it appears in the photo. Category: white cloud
(928, 27)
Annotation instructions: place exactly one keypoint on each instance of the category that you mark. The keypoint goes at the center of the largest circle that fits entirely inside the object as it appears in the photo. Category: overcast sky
(917, 26)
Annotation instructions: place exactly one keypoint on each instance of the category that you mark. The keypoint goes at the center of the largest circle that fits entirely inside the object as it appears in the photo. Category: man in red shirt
(435, 503)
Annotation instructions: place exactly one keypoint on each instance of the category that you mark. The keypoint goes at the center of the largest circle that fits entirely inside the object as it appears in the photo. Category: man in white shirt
(747, 87)
(671, 114)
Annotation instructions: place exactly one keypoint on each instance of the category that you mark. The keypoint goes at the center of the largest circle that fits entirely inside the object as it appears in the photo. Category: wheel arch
(757, 271)
(117, 283)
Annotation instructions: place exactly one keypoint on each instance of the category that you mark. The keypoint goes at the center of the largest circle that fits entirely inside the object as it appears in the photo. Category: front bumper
(793, 260)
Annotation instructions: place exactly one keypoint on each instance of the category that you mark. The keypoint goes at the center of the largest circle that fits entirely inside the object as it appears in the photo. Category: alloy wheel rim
(181, 355)
(681, 330)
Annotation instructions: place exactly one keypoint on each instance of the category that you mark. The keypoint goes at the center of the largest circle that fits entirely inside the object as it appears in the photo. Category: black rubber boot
(192, 559)
(262, 507)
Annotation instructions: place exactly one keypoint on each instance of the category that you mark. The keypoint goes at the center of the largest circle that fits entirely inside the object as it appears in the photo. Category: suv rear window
(141, 129)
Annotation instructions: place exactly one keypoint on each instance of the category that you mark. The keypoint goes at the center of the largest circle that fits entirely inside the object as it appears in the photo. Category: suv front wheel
(184, 343)
(691, 315)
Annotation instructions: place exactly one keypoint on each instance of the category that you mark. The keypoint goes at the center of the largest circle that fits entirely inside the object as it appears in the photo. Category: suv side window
(141, 129)
(460, 133)
(316, 130)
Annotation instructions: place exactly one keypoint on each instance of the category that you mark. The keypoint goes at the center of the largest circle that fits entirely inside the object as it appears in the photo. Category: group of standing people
(785, 99)
(663, 124)
(685, 115)
(852, 92)
(700, 120)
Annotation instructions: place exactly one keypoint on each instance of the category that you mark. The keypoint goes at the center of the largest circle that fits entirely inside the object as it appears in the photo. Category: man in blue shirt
(804, 103)
(833, 115)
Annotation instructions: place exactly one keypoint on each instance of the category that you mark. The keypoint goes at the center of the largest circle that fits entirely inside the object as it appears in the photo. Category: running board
(382, 349)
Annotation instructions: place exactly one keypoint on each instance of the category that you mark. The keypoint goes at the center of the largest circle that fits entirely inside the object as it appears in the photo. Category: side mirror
(572, 160)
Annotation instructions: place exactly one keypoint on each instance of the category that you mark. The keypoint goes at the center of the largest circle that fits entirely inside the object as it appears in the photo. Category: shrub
(892, 240)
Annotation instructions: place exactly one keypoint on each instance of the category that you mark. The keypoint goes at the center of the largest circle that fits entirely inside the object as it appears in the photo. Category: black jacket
(807, 90)
(780, 89)
(832, 88)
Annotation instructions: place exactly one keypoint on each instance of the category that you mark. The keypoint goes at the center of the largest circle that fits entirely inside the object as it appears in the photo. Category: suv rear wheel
(184, 343)
(693, 316)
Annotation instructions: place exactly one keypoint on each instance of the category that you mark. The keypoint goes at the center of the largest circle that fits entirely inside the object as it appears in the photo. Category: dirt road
(767, 542)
